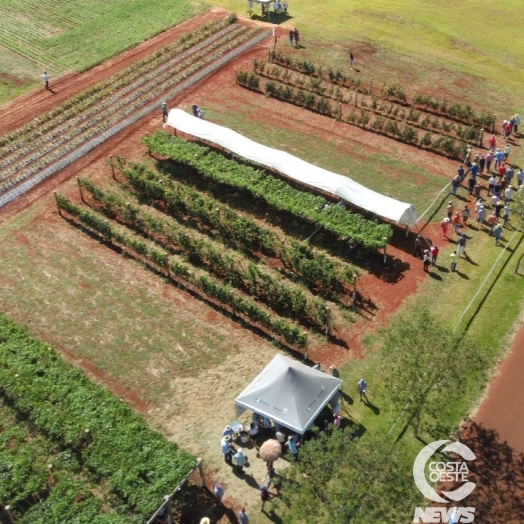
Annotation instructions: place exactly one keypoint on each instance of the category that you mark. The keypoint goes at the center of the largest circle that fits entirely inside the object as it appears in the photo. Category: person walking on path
(481, 216)
(444, 225)
(456, 222)
(425, 260)
(417, 250)
(291, 36)
(509, 194)
(243, 517)
(362, 387)
(45, 78)
(498, 233)
(471, 185)
(454, 259)
(450, 209)
(433, 252)
(225, 444)
(460, 172)
(241, 460)
(292, 447)
(498, 208)
(489, 159)
(491, 142)
(218, 491)
(474, 169)
(264, 496)
(492, 222)
(163, 107)
(351, 60)
(465, 214)
(502, 171)
(461, 245)
(509, 174)
(520, 177)
(507, 150)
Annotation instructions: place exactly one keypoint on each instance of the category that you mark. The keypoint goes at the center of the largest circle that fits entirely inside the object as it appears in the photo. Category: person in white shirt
(45, 78)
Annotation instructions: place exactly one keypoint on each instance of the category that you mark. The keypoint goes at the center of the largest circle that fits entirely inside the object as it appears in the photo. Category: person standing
(163, 107)
(194, 107)
(481, 216)
(498, 208)
(362, 388)
(297, 37)
(520, 177)
(465, 214)
(45, 78)
(425, 260)
(450, 209)
(285, 6)
(509, 174)
(489, 158)
(454, 259)
(498, 233)
(499, 157)
(471, 184)
(455, 183)
(454, 517)
(491, 142)
(444, 225)
(509, 194)
(492, 221)
(482, 164)
(241, 460)
(292, 447)
(243, 517)
(337, 420)
(417, 250)
(516, 123)
(507, 150)
(218, 491)
(264, 496)
(351, 60)
(507, 212)
(461, 245)
(456, 222)
(460, 172)
(226, 449)
(291, 35)
(476, 190)
(433, 251)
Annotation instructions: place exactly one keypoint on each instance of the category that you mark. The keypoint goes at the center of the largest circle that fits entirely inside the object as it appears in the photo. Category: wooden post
(370, 84)
(354, 297)
(385, 250)
(306, 349)
(113, 166)
(328, 319)
(356, 96)
(80, 189)
(479, 142)
(57, 204)
(201, 473)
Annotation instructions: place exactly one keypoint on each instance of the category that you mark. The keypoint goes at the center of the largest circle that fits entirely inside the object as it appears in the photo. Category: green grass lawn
(60, 36)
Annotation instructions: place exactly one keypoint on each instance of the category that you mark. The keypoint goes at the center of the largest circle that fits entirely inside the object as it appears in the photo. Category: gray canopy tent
(267, 5)
(289, 393)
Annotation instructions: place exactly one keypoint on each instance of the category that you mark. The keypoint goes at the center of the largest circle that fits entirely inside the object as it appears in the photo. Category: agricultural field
(171, 273)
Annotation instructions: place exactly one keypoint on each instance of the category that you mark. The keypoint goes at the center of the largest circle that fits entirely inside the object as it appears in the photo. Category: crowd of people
(492, 201)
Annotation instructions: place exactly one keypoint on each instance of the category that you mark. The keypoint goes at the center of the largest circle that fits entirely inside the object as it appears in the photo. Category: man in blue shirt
(290, 444)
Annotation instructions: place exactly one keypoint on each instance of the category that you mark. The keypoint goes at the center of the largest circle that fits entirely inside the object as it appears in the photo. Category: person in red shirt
(434, 254)
(502, 171)
(492, 142)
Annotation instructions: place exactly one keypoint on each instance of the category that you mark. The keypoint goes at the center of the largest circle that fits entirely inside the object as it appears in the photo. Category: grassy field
(54, 35)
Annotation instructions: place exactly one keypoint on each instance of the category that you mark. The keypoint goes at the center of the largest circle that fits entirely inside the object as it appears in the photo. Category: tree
(426, 366)
(340, 481)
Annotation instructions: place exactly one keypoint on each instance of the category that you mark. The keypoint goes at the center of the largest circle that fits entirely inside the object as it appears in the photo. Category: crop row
(117, 447)
(40, 480)
(317, 271)
(360, 117)
(285, 300)
(377, 106)
(209, 286)
(455, 111)
(119, 111)
(276, 193)
(90, 114)
(44, 123)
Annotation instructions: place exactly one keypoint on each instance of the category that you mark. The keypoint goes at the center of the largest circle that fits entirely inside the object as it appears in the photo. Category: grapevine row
(274, 192)
(315, 270)
(209, 286)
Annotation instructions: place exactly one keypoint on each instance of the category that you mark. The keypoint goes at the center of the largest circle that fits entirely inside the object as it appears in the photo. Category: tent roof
(295, 168)
(289, 393)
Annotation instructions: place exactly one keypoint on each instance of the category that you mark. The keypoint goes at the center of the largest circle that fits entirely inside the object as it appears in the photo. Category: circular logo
(443, 471)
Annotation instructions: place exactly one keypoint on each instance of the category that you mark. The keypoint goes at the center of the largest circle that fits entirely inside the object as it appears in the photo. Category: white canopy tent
(295, 168)
(289, 393)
